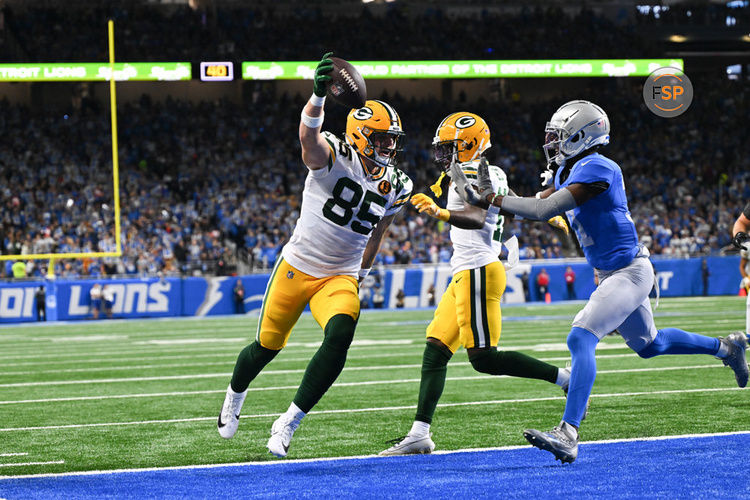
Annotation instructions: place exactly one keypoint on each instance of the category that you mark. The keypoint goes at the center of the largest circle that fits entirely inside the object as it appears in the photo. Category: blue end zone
(706, 467)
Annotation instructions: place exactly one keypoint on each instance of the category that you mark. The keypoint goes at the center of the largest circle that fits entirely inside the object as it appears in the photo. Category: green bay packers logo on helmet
(464, 136)
(374, 131)
(362, 113)
(465, 121)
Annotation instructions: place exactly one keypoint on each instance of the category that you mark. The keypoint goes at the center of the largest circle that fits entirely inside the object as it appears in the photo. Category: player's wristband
(317, 101)
(363, 273)
(312, 121)
(443, 215)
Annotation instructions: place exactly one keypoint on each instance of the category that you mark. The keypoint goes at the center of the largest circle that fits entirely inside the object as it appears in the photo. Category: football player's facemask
(374, 131)
(463, 136)
(575, 127)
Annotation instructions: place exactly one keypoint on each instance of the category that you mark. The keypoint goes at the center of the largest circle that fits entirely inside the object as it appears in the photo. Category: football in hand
(347, 87)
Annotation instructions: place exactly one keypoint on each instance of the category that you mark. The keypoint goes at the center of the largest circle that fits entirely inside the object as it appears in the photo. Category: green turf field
(129, 394)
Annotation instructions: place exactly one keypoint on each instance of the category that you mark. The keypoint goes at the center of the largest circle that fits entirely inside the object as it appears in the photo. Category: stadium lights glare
(746, 38)
(677, 38)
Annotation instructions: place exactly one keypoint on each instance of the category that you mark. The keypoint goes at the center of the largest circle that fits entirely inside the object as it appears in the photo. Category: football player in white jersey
(469, 311)
(741, 240)
(351, 195)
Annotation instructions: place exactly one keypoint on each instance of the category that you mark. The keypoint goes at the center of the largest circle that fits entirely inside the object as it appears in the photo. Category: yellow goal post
(115, 179)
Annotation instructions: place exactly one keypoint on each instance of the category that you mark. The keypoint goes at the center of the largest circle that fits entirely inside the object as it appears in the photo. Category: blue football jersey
(603, 224)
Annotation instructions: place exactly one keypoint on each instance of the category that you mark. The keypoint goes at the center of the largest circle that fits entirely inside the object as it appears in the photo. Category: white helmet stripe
(476, 153)
(391, 113)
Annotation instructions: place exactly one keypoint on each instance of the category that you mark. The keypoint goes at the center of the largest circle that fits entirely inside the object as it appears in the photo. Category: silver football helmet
(575, 127)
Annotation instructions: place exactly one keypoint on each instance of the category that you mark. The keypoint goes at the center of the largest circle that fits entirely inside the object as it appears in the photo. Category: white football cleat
(410, 445)
(282, 431)
(229, 418)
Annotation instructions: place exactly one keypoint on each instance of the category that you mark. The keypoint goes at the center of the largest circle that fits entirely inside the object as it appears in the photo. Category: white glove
(746, 282)
(513, 253)
(547, 176)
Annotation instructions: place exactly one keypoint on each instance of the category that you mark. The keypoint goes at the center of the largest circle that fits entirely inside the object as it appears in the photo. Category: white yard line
(364, 410)
(13, 454)
(167, 349)
(299, 370)
(281, 463)
(338, 384)
(55, 462)
(281, 358)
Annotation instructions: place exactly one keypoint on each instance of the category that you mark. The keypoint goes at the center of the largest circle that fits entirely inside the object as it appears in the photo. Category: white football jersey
(340, 207)
(474, 248)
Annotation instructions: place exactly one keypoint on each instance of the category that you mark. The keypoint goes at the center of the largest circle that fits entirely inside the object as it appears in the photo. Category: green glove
(322, 77)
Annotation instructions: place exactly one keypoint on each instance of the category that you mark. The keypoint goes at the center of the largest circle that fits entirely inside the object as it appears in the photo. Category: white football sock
(563, 376)
(294, 412)
(419, 428)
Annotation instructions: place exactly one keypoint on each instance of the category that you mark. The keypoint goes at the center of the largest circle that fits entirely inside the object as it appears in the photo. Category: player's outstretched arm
(470, 217)
(556, 203)
(315, 150)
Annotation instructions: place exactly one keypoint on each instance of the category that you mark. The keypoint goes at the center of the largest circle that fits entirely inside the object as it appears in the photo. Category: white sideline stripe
(272, 463)
(299, 370)
(13, 454)
(31, 463)
(363, 410)
(341, 384)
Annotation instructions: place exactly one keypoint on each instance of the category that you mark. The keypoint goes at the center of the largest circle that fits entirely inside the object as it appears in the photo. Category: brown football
(347, 87)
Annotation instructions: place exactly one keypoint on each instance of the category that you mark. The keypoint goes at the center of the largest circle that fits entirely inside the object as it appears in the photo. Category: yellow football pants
(469, 311)
(289, 290)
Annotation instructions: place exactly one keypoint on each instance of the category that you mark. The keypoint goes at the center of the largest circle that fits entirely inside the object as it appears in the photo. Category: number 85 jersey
(341, 204)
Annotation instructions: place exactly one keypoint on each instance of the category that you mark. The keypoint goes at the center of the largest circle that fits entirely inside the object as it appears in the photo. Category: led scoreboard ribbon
(217, 71)
(545, 68)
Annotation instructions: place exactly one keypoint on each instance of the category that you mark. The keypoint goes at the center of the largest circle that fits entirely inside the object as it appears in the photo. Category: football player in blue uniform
(589, 189)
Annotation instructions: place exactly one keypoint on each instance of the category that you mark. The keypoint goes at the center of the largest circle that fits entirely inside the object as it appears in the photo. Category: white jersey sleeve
(341, 204)
(473, 248)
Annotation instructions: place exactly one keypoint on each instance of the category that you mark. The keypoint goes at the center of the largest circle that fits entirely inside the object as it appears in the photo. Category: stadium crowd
(212, 187)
